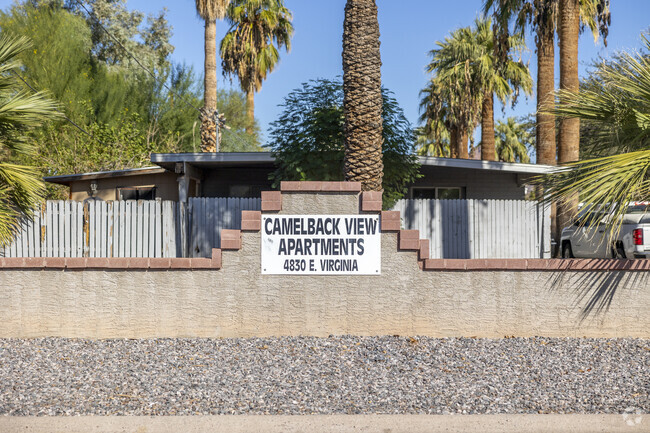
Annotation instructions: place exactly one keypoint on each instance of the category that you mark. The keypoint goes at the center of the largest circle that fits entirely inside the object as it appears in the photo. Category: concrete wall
(228, 296)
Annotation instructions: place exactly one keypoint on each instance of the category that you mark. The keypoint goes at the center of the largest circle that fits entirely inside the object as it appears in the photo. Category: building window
(137, 193)
(440, 193)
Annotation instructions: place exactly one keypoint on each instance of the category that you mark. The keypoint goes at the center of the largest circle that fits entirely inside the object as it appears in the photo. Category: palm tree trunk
(362, 102)
(208, 125)
(546, 150)
(461, 145)
(569, 144)
(250, 109)
(488, 152)
(545, 131)
(569, 138)
(453, 142)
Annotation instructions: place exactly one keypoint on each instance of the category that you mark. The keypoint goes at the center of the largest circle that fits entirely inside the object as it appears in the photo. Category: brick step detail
(271, 201)
(231, 239)
(371, 201)
(251, 220)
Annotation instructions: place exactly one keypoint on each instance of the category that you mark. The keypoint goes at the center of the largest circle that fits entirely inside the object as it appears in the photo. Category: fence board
(479, 228)
(208, 216)
(97, 229)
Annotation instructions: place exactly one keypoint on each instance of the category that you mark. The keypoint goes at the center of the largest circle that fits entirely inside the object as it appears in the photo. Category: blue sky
(409, 30)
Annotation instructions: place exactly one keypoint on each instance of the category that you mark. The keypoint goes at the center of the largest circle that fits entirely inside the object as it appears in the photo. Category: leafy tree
(148, 42)
(616, 106)
(210, 11)
(258, 28)
(128, 113)
(513, 139)
(363, 96)
(21, 187)
(307, 139)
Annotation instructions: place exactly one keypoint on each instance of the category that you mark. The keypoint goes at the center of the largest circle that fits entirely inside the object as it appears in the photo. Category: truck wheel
(567, 252)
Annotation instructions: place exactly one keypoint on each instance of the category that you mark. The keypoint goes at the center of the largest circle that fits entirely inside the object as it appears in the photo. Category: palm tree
(512, 141)
(592, 12)
(451, 97)
(473, 49)
(258, 28)
(615, 104)
(445, 111)
(465, 62)
(541, 15)
(21, 187)
(362, 102)
(210, 11)
(433, 139)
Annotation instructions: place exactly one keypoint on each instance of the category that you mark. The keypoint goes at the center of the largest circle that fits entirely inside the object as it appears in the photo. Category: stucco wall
(237, 301)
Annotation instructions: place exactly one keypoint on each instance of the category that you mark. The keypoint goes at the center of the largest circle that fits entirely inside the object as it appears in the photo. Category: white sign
(321, 244)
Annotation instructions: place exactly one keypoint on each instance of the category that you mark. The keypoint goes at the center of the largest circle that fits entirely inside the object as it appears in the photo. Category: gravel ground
(344, 375)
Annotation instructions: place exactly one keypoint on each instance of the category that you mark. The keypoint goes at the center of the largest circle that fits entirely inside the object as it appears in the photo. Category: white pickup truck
(587, 240)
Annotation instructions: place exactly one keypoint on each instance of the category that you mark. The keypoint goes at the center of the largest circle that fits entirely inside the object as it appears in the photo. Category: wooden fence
(99, 229)
(456, 228)
(208, 216)
(127, 228)
(480, 229)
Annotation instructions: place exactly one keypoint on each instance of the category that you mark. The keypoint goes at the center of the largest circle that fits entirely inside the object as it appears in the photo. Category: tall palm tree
(210, 11)
(472, 50)
(258, 28)
(362, 101)
(615, 104)
(542, 17)
(469, 75)
(596, 14)
(21, 187)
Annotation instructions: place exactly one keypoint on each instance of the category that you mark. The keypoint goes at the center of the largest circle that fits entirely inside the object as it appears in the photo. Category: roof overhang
(168, 162)
(474, 164)
(66, 179)
(210, 159)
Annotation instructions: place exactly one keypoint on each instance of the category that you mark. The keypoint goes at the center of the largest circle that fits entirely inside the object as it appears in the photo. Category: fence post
(86, 230)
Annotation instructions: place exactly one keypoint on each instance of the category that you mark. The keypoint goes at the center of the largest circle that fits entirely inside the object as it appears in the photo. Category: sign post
(321, 245)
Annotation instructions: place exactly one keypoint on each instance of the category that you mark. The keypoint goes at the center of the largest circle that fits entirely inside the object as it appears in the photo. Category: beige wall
(167, 186)
(237, 301)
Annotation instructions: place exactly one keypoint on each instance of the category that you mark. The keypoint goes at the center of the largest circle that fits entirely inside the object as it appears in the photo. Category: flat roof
(167, 162)
(66, 179)
(210, 159)
(477, 164)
